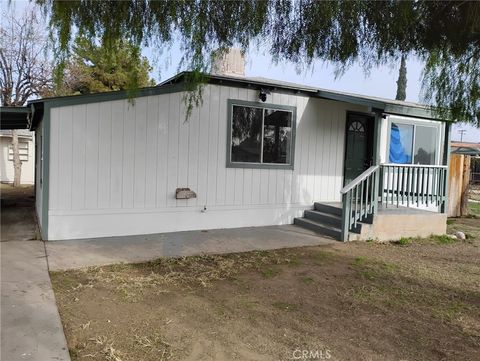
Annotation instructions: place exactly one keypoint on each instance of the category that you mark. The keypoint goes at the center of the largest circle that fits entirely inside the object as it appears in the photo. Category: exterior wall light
(263, 94)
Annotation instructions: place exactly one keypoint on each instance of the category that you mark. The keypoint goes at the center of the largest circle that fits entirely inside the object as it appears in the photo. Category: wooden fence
(458, 183)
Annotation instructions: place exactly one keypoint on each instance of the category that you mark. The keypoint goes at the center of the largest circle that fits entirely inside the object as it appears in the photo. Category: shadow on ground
(18, 219)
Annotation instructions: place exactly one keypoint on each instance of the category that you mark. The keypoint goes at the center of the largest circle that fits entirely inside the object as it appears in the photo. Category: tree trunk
(402, 80)
(17, 163)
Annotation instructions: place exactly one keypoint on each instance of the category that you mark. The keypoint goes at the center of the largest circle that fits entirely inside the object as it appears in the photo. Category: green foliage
(359, 261)
(402, 80)
(269, 272)
(444, 34)
(474, 209)
(443, 239)
(404, 241)
(106, 67)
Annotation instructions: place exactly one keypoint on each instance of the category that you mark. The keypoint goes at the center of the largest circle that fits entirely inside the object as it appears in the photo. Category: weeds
(404, 241)
(285, 306)
(320, 257)
(359, 261)
(443, 239)
(307, 280)
(269, 272)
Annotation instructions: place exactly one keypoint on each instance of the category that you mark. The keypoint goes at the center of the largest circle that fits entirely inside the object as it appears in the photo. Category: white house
(256, 152)
(26, 144)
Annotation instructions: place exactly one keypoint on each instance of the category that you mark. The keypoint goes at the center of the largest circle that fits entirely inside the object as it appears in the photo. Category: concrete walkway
(30, 324)
(64, 255)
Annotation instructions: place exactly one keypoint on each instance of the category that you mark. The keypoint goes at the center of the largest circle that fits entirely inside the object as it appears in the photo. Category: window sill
(260, 165)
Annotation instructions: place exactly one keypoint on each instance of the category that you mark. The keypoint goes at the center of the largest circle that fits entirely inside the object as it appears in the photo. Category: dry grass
(411, 300)
(186, 272)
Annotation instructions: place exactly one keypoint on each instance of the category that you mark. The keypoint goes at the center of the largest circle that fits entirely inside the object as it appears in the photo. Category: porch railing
(412, 185)
(409, 185)
(359, 199)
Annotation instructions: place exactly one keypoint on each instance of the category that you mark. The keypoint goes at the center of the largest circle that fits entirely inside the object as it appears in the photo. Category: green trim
(375, 104)
(230, 164)
(377, 122)
(246, 82)
(14, 118)
(446, 161)
(416, 112)
(178, 84)
(45, 170)
(109, 96)
(352, 99)
(24, 110)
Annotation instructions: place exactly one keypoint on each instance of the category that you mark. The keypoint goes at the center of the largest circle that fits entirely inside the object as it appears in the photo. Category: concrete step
(319, 227)
(328, 208)
(328, 218)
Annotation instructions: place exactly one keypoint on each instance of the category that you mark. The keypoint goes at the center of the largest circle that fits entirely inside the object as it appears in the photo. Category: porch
(385, 202)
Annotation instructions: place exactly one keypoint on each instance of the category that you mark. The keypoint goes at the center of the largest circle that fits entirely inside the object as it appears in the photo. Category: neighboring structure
(26, 144)
(112, 167)
(465, 148)
(464, 170)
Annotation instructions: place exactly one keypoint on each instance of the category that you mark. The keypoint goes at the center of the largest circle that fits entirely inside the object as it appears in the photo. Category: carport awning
(14, 117)
(474, 151)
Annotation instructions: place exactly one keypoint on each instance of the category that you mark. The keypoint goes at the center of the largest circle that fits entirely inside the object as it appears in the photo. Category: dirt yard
(413, 300)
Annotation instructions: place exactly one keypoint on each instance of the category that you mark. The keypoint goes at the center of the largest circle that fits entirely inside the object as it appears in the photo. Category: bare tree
(25, 69)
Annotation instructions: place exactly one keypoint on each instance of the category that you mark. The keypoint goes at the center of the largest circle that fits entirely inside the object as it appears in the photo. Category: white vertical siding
(151, 152)
(116, 154)
(115, 165)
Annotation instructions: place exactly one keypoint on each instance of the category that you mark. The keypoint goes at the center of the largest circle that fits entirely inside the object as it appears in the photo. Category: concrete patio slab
(17, 219)
(72, 254)
(30, 323)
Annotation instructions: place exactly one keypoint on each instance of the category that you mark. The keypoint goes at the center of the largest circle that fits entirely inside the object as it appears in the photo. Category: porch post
(378, 185)
(346, 216)
(376, 137)
(446, 161)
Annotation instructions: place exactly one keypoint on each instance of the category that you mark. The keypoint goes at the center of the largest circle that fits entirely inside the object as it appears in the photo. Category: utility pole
(462, 132)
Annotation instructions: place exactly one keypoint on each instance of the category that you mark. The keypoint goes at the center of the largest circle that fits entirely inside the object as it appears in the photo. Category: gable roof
(179, 83)
(376, 104)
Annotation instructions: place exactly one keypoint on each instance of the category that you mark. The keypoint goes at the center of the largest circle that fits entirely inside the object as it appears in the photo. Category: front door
(359, 145)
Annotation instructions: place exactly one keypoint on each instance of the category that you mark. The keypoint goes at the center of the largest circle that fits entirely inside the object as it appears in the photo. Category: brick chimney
(230, 62)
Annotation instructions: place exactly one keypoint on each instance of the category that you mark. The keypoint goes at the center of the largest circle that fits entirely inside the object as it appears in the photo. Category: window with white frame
(22, 149)
(260, 135)
(413, 143)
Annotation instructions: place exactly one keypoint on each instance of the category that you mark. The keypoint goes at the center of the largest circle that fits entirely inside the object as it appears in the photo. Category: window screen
(277, 132)
(425, 144)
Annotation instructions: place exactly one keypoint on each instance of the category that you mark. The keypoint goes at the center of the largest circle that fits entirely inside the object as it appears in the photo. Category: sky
(379, 82)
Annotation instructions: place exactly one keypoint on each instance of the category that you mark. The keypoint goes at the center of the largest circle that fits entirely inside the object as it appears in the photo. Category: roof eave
(14, 117)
